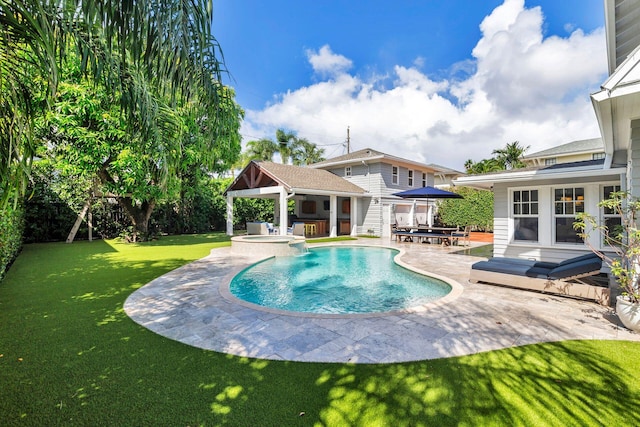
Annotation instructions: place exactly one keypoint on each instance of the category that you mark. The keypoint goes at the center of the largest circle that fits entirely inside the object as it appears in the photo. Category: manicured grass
(70, 356)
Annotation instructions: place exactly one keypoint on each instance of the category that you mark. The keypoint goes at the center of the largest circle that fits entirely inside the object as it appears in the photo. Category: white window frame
(603, 214)
(424, 179)
(395, 175)
(551, 161)
(598, 156)
(410, 177)
(347, 171)
(568, 199)
(521, 203)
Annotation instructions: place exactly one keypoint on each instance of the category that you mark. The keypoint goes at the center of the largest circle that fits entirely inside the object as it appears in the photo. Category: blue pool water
(339, 280)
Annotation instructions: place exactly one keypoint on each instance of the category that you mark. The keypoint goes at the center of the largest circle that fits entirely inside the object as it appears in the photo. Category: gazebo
(283, 182)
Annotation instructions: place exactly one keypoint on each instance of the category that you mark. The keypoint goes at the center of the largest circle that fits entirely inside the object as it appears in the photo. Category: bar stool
(310, 229)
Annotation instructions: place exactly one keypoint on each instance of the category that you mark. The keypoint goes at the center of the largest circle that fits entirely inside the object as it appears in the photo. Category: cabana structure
(324, 200)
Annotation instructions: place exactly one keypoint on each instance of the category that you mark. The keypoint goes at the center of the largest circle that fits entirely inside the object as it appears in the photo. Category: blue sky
(435, 81)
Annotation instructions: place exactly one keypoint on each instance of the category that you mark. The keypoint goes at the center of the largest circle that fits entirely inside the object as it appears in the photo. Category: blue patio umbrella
(428, 192)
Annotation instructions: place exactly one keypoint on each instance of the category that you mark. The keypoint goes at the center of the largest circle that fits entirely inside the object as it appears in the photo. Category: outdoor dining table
(424, 229)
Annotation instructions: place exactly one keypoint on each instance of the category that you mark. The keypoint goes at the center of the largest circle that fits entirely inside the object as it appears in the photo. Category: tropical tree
(298, 151)
(507, 158)
(262, 149)
(307, 153)
(484, 166)
(85, 133)
(134, 48)
(511, 155)
(287, 145)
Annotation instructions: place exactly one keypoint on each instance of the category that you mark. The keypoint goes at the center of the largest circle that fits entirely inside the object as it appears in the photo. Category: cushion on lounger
(576, 268)
(544, 264)
(588, 256)
(515, 269)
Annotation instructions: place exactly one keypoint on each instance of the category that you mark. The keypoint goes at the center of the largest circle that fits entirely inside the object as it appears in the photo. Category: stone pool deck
(191, 305)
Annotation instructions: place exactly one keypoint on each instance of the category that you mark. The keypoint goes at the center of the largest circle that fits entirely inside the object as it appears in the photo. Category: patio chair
(271, 228)
(558, 278)
(463, 235)
(296, 229)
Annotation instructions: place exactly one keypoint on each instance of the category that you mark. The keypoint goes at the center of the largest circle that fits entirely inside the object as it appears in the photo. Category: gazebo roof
(293, 178)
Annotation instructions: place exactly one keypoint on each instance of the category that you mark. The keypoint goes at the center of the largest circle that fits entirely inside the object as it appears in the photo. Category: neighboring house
(382, 175)
(575, 151)
(350, 194)
(535, 207)
(444, 176)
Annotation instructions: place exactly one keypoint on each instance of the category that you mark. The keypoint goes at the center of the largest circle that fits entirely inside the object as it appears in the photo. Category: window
(394, 175)
(410, 179)
(525, 215)
(597, 156)
(424, 179)
(610, 218)
(567, 203)
(549, 162)
(347, 171)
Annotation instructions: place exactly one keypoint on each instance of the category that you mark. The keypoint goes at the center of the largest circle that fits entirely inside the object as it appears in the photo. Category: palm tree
(287, 144)
(138, 49)
(262, 149)
(484, 166)
(511, 155)
(307, 153)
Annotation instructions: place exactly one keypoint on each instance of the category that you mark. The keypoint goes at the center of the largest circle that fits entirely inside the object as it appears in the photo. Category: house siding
(500, 220)
(376, 178)
(545, 249)
(634, 163)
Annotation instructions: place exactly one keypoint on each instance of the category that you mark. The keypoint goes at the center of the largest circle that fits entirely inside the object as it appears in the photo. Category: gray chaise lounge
(558, 278)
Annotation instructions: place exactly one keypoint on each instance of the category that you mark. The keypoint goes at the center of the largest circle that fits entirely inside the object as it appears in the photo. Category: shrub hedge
(11, 228)
(475, 209)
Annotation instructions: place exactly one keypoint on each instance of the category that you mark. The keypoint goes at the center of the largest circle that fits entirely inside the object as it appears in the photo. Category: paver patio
(191, 305)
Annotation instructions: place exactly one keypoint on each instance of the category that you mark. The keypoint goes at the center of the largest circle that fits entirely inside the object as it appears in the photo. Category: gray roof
(580, 146)
(268, 174)
(445, 170)
(366, 154)
(363, 154)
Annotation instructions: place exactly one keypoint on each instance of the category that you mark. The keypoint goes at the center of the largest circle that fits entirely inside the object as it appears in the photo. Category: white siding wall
(376, 178)
(634, 163)
(545, 249)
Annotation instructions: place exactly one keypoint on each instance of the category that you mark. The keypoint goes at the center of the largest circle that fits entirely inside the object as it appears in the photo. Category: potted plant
(623, 241)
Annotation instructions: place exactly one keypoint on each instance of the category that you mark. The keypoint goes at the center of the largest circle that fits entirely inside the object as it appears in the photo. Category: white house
(350, 194)
(535, 207)
(574, 151)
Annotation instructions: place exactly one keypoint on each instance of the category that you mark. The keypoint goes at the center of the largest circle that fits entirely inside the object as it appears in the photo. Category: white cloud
(521, 87)
(327, 63)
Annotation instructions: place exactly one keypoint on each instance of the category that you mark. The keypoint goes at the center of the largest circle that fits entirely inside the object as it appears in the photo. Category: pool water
(338, 280)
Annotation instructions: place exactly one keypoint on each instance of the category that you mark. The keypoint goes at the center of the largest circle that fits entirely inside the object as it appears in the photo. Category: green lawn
(70, 356)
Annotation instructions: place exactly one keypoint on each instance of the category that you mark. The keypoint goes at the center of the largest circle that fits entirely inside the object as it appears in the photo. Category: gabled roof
(617, 103)
(574, 170)
(573, 147)
(367, 155)
(293, 178)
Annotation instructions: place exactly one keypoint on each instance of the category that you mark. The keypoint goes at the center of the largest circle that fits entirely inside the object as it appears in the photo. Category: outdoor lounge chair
(557, 278)
(296, 229)
(257, 228)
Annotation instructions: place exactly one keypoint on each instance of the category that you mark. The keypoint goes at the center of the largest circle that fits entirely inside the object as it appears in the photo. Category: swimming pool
(337, 280)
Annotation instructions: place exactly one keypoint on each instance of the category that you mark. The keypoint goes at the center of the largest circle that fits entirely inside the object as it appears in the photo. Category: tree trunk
(139, 215)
